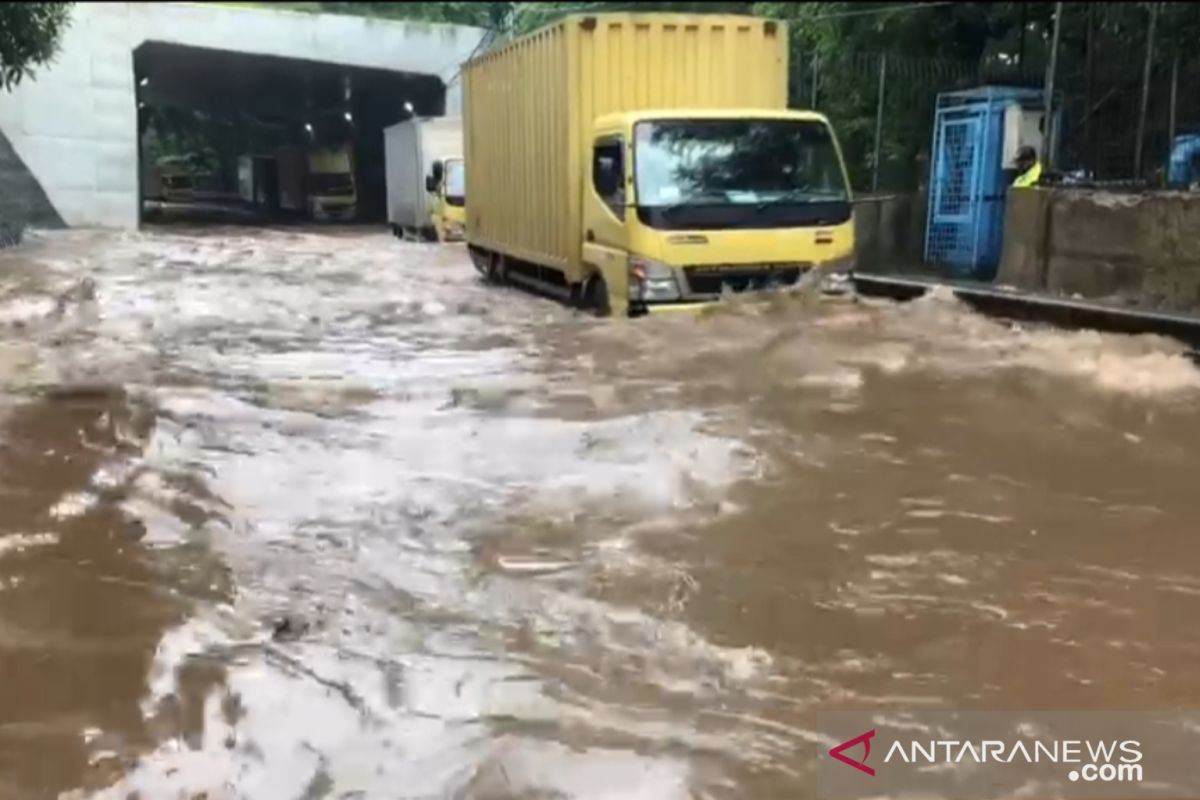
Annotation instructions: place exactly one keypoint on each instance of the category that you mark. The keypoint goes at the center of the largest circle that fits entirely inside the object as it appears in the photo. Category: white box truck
(426, 178)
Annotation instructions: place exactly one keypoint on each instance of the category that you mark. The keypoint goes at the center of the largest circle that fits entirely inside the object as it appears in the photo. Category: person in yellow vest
(1029, 168)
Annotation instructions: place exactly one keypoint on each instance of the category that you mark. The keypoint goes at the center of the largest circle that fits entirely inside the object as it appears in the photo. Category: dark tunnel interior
(202, 112)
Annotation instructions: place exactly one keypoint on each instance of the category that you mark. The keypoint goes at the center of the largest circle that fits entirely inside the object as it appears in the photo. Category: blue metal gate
(955, 184)
(965, 228)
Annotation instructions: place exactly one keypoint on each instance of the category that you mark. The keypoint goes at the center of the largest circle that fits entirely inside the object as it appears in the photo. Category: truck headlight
(651, 281)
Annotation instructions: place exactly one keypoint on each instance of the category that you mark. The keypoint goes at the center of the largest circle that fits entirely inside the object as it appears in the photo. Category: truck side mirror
(438, 171)
(431, 184)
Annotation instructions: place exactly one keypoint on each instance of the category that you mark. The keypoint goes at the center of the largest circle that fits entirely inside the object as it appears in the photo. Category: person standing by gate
(1029, 168)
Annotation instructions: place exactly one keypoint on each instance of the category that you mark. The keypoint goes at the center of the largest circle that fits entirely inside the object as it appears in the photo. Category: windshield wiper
(801, 196)
(669, 209)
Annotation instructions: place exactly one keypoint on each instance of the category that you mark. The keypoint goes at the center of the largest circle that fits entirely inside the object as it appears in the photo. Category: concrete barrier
(1142, 250)
(889, 231)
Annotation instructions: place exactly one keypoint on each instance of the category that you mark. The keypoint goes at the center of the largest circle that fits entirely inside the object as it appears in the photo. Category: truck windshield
(331, 183)
(738, 173)
(456, 182)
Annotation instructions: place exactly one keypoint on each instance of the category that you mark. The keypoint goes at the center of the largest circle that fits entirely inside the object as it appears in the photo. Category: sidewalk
(1016, 304)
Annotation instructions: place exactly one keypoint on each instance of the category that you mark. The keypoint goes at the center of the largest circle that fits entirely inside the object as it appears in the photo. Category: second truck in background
(426, 179)
(332, 189)
(298, 181)
(642, 162)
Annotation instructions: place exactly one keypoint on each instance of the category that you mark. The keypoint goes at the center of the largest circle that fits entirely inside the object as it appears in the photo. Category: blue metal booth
(976, 136)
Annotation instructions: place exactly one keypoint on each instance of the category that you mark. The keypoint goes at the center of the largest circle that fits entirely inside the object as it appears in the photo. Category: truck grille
(712, 279)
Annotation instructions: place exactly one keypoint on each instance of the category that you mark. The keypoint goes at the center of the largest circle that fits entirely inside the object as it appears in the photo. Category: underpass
(74, 131)
(258, 105)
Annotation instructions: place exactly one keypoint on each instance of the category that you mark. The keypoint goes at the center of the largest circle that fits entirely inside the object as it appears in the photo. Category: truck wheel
(479, 260)
(497, 270)
(429, 233)
(595, 296)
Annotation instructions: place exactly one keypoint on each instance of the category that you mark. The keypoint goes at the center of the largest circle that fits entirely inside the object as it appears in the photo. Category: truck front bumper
(674, 308)
(333, 213)
(454, 232)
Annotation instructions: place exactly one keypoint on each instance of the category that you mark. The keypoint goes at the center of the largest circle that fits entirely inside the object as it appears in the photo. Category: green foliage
(182, 137)
(29, 36)
(509, 18)
(929, 49)
(483, 15)
(531, 16)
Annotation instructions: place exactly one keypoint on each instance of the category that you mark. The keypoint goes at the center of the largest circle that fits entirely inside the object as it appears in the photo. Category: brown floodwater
(303, 514)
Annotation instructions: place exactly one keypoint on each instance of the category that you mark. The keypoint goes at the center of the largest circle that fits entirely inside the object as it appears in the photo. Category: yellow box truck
(426, 183)
(644, 162)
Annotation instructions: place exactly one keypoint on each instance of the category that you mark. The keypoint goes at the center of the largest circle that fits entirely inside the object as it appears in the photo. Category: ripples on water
(291, 514)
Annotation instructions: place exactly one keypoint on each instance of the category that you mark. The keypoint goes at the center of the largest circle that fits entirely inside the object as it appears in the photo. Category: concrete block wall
(74, 126)
(1141, 250)
(889, 231)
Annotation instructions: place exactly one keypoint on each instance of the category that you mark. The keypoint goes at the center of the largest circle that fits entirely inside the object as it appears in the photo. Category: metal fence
(882, 106)
(1130, 82)
(1125, 78)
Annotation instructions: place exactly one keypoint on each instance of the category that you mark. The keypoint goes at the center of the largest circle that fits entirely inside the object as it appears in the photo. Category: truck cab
(447, 188)
(683, 207)
(332, 193)
(177, 186)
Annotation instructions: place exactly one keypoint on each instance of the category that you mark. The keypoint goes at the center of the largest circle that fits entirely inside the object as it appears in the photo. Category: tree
(531, 16)
(29, 36)
(929, 49)
(483, 15)
(514, 18)
(183, 136)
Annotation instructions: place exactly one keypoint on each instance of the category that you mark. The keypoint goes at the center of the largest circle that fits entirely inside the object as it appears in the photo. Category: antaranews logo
(1095, 758)
(864, 739)
(973, 755)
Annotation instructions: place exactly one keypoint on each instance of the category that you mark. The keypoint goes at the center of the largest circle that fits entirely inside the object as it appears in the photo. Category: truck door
(605, 234)
(435, 188)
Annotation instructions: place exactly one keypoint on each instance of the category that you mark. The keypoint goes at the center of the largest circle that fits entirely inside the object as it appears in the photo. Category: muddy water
(307, 515)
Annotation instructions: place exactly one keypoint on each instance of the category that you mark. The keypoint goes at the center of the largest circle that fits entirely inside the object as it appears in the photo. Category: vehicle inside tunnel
(235, 137)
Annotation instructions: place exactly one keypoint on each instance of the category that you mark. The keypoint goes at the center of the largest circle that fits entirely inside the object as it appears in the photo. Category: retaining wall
(23, 203)
(1141, 250)
(889, 231)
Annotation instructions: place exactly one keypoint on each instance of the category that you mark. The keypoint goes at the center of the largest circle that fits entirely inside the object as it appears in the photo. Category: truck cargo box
(410, 148)
(530, 105)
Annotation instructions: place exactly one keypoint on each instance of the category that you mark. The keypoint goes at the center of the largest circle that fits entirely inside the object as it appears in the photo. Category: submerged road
(306, 514)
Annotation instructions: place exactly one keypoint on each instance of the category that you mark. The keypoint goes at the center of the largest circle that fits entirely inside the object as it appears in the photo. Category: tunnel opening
(232, 137)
